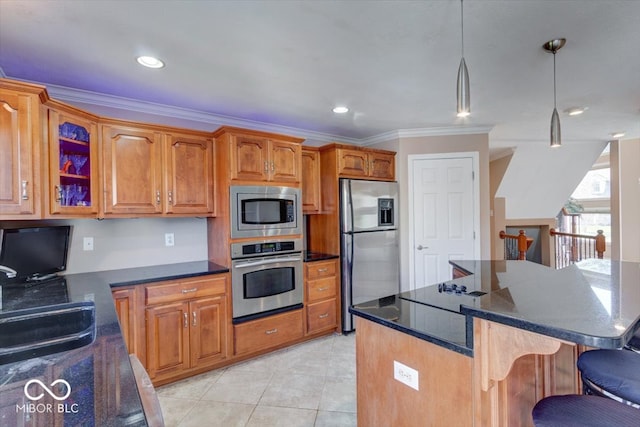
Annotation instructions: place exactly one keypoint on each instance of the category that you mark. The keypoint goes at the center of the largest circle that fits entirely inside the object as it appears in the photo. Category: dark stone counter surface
(594, 302)
(103, 391)
(318, 256)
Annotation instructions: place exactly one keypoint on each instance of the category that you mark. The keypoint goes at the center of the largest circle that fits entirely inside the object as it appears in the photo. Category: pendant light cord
(462, 25)
(554, 79)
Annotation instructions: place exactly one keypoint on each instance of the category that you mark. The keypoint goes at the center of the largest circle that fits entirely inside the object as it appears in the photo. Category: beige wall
(625, 200)
(434, 145)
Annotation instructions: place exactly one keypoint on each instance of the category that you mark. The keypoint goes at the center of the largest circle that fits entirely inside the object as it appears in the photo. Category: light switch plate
(406, 375)
(168, 239)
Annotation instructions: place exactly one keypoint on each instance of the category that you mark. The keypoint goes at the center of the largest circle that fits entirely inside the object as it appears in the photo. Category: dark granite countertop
(103, 389)
(310, 256)
(595, 303)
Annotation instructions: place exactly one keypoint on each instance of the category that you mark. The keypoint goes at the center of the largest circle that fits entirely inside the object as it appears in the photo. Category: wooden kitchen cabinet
(186, 325)
(132, 169)
(366, 164)
(260, 157)
(268, 332)
(151, 170)
(310, 180)
(321, 296)
(73, 184)
(189, 182)
(126, 302)
(20, 142)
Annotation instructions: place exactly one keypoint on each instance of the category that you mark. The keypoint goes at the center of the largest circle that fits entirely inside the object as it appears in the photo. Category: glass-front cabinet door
(73, 164)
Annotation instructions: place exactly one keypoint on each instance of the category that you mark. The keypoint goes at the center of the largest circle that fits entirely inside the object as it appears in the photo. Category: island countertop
(593, 302)
(102, 386)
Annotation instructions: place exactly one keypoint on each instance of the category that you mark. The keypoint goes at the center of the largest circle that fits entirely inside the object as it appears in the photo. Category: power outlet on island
(168, 239)
(406, 375)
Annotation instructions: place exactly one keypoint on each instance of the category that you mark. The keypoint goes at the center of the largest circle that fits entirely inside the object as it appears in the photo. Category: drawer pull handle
(25, 192)
(194, 318)
(271, 331)
(186, 291)
(323, 289)
(186, 319)
(323, 316)
(323, 270)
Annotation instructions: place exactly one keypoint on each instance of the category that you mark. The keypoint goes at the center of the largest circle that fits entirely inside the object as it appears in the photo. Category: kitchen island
(483, 353)
(101, 386)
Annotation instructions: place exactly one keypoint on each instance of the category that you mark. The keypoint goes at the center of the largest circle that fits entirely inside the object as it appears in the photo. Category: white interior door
(444, 214)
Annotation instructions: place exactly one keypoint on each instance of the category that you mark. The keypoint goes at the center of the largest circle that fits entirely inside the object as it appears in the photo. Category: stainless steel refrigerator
(368, 243)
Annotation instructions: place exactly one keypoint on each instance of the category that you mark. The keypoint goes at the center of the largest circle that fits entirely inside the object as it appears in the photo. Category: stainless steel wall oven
(266, 278)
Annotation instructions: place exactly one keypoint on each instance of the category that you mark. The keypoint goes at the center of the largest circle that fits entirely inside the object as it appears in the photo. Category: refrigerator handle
(346, 223)
(347, 274)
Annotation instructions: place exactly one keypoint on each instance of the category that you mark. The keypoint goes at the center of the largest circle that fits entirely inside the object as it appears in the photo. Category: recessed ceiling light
(617, 134)
(575, 111)
(340, 110)
(150, 62)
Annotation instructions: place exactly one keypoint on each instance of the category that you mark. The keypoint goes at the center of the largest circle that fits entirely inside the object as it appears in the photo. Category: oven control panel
(265, 247)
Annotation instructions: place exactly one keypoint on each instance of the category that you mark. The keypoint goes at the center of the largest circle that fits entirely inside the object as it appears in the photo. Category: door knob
(420, 247)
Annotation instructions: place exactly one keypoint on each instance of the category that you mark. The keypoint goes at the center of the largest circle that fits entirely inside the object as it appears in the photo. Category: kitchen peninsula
(485, 351)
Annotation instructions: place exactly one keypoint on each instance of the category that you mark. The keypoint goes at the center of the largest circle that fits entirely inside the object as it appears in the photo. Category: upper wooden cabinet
(189, 174)
(259, 156)
(73, 186)
(153, 170)
(20, 140)
(310, 180)
(132, 170)
(365, 163)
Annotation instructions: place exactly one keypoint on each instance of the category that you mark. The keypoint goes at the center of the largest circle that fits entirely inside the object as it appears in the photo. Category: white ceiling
(394, 63)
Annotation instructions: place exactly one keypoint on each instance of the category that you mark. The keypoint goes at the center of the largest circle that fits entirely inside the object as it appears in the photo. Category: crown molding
(419, 132)
(73, 95)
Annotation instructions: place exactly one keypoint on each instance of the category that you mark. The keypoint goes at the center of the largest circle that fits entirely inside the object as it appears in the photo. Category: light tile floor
(309, 384)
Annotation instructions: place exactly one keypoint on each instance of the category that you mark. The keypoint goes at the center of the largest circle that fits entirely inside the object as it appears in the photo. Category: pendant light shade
(463, 96)
(463, 93)
(555, 138)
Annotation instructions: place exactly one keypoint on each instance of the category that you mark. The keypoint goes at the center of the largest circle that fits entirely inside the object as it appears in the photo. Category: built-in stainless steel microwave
(259, 211)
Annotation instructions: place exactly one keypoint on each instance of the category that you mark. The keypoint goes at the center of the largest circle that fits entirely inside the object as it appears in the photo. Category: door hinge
(473, 175)
(474, 235)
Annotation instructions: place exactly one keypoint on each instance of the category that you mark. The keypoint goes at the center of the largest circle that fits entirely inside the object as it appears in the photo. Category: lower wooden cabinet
(321, 296)
(125, 302)
(189, 332)
(272, 331)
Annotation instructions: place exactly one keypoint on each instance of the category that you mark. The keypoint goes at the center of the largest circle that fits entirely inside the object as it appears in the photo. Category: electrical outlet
(87, 244)
(406, 375)
(168, 239)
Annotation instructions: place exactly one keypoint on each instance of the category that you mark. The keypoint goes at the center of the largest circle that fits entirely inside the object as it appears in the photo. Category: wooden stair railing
(571, 248)
(515, 247)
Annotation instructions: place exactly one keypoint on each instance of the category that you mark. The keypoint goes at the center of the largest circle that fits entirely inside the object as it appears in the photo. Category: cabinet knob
(170, 195)
(194, 318)
(271, 331)
(186, 291)
(186, 319)
(58, 193)
(273, 167)
(323, 316)
(323, 270)
(158, 197)
(266, 167)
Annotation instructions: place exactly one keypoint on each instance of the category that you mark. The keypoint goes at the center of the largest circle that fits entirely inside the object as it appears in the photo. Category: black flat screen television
(35, 253)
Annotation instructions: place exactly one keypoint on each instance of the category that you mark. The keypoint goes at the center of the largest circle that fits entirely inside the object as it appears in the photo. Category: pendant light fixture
(463, 94)
(554, 46)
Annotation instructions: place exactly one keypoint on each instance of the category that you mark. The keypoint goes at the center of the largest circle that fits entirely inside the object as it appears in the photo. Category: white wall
(540, 179)
(124, 243)
(625, 200)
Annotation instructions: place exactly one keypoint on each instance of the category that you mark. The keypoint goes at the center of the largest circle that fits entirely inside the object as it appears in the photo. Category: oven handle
(267, 261)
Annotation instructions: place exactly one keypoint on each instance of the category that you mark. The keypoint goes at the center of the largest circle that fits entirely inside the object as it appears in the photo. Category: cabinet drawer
(177, 291)
(268, 332)
(320, 269)
(321, 315)
(321, 288)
